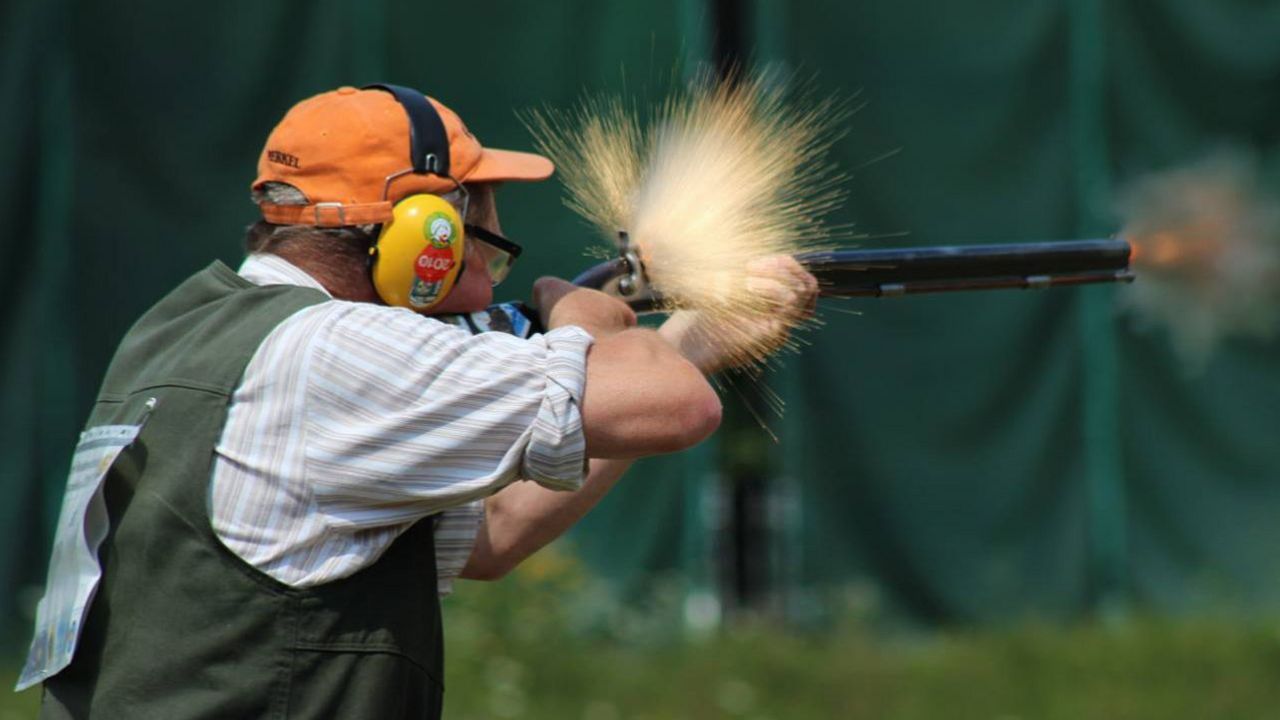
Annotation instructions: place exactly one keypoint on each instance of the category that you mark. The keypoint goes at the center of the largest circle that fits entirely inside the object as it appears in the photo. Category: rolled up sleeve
(556, 454)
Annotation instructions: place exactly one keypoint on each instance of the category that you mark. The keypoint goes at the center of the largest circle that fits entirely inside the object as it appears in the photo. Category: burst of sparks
(719, 175)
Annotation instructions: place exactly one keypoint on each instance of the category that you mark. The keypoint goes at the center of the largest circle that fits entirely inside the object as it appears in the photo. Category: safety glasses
(498, 252)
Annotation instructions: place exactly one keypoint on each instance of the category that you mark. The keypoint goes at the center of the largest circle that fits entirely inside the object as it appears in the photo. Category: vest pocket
(354, 623)
(329, 682)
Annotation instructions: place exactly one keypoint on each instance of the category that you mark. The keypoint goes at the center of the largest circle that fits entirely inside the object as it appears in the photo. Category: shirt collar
(268, 269)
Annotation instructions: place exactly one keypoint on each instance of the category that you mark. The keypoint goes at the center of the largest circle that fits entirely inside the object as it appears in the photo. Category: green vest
(181, 627)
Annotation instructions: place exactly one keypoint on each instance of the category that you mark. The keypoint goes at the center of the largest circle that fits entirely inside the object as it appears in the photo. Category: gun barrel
(887, 272)
(902, 271)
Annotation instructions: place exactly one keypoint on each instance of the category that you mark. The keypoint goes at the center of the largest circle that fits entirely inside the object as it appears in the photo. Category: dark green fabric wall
(972, 458)
(999, 455)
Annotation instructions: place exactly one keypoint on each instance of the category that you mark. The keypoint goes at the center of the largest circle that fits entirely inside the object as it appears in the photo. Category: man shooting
(288, 463)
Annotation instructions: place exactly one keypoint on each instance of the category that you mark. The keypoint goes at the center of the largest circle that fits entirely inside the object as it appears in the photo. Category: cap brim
(500, 165)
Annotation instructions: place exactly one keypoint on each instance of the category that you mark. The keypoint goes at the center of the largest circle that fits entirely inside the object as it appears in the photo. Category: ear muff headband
(428, 140)
(418, 255)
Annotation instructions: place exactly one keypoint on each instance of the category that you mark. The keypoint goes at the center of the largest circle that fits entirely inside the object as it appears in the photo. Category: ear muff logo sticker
(435, 263)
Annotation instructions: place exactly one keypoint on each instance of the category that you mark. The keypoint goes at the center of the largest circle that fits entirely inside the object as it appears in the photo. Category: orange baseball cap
(338, 148)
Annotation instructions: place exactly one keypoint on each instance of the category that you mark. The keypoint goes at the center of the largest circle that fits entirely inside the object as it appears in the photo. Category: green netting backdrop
(973, 457)
(997, 455)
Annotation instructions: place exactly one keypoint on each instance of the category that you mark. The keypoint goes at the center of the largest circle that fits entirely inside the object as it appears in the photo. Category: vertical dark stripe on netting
(729, 41)
(1104, 472)
(19, 158)
(37, 372)
(746, 542)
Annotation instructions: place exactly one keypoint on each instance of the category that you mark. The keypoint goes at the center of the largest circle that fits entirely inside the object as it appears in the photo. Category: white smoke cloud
(1206, 240)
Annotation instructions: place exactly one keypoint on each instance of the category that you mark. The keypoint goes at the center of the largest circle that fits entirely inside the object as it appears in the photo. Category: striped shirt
(355, 420)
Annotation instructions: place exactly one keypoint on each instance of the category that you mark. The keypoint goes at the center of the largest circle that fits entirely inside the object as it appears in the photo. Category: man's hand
(787, 296)
(562, 303)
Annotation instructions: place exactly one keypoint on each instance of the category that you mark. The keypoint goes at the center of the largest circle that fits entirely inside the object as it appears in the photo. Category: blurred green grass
(518, 649)
(547, 643)
(1144, 670)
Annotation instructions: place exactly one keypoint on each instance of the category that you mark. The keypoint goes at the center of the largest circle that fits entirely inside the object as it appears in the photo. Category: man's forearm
(524, 516)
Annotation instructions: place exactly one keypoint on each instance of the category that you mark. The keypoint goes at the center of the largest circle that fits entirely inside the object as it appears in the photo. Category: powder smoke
(1206, 241)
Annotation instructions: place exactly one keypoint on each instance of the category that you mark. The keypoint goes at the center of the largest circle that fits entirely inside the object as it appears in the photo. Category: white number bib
(74, 571)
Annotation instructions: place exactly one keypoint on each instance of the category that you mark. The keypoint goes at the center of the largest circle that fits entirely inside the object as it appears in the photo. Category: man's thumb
(548, 290)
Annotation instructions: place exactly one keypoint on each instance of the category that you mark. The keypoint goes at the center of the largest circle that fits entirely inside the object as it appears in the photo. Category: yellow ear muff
(418, 255)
